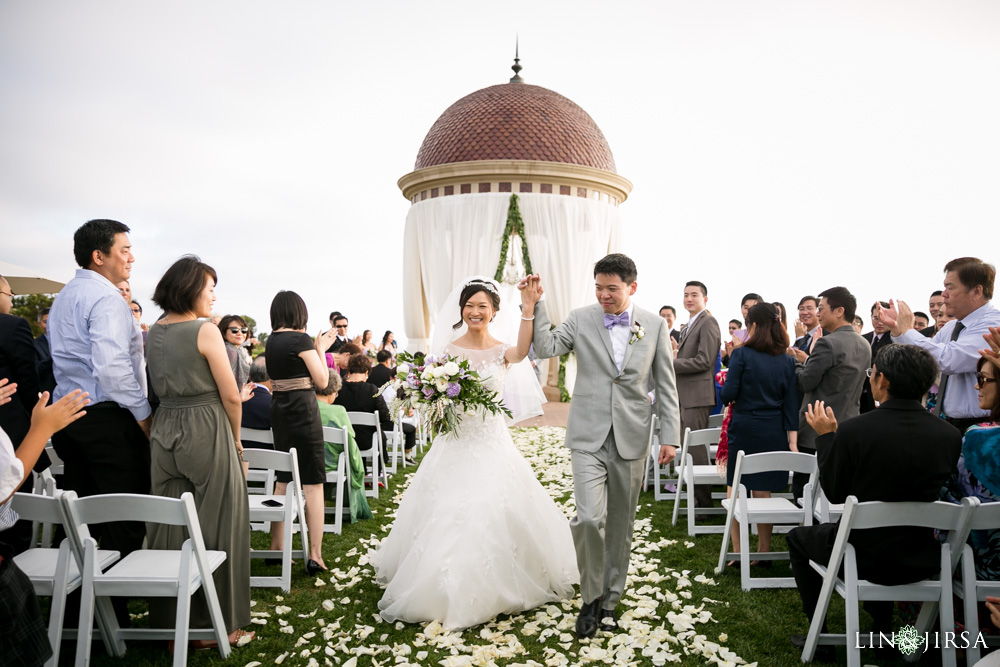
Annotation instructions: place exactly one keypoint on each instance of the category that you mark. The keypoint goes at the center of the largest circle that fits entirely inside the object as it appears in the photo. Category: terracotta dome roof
(515, 121)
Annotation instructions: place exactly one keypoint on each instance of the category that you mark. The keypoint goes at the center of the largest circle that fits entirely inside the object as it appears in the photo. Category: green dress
(336, 416)
(192, 449)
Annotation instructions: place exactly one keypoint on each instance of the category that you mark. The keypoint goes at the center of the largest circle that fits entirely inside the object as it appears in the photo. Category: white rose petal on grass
(328, 605)
(346, 601)
(281, 609)
(255, 663)
(287, 629)
(259, 621)
(281, 658)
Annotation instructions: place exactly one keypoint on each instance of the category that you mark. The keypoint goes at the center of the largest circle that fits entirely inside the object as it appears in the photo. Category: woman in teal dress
(336, 416)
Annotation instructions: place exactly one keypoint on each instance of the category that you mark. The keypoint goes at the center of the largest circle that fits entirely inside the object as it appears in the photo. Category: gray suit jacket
(834, 373)
(604, 399)
(695, 362)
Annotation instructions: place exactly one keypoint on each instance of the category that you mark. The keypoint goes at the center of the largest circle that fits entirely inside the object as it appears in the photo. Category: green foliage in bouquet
(443, 389)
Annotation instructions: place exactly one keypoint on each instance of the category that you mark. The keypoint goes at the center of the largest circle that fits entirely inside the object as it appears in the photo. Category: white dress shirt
(619, 338)
(958, 358)
(96, 344)
(11, 474)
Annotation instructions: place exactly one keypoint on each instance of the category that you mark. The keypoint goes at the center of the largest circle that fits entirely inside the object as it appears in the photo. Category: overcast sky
(776, 147)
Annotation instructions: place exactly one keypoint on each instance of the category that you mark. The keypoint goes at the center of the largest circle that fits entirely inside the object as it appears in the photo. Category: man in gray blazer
(622, 351)
(835, 371)
(695, 369)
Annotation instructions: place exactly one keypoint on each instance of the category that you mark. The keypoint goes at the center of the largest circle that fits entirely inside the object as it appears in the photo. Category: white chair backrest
(334, 435)
(269, 459)
(34, 507)
(257, 435)
(771, 461)
(705, 437)
(715, 421)
(986, 517)
(57, 462)
(364, 418)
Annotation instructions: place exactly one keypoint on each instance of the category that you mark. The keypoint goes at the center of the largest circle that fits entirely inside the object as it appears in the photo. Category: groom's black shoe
(608, 620)
(586, 622)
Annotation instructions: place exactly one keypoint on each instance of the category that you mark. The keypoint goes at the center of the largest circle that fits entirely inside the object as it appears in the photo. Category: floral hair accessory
(484, 283)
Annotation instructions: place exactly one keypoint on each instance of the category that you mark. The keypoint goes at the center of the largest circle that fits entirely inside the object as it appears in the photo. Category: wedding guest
(43, 355)
(859, 324)
(333, 329)
(669, 313)
(195, 442)
(234, 332)
(137, 314)
(935, 306)
(896, 453)
(381, 372)
(389, 345)
(695, 371)
(257, 410)
(336, 416)
(23, 634)
(807, 328)
(977, 474)
(784, 315)
(749, 301)
(125, 289)
(359, 395)
(17, 363)
(760, 386)
(339, 322)
(727, 348)
(295, 364)
(734, 326)
(367, 346)
(968, 288)
(877, 338)
(920, 321)
(835, 370)
(97, 348)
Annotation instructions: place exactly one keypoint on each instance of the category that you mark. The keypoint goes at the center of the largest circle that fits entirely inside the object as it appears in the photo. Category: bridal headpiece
(488, 284)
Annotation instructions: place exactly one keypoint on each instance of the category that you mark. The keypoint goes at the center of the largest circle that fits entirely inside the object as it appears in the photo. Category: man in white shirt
(968, 288)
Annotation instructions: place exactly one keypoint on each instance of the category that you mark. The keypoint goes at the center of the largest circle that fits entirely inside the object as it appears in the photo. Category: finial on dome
(517, 64)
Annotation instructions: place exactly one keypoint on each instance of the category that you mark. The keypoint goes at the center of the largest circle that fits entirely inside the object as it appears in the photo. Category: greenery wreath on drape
(516, 226)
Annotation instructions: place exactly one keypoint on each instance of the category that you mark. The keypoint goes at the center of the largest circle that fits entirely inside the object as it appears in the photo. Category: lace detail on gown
(475, 534)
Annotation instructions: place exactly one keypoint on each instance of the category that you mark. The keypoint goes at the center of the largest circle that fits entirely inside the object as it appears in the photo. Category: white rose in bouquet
(403, 369)
(439, 372)
(427, 375)
(451, 369)
(441, 384)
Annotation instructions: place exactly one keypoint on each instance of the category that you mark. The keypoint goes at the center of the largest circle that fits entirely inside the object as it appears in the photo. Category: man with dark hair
(622, 351)
(835, 370)
(807, 327)
(381, 372)
(97, 347)
(669, 313)
(934, 306)
(896, 453)
(257, 410)
(339, 322)
(968, 288)
(877, 338)
(921, 321)
(43, 356)
(694, 366)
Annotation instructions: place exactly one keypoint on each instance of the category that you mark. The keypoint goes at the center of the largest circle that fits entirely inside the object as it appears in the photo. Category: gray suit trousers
(606, 489)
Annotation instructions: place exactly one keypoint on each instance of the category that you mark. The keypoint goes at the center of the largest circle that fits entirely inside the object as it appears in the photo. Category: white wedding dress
(475, 534)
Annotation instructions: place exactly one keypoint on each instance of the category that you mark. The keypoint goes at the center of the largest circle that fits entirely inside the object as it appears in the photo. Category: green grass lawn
(678, 611)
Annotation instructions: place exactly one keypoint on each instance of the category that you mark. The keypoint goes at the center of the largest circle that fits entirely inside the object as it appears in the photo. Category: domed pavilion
(510, 179)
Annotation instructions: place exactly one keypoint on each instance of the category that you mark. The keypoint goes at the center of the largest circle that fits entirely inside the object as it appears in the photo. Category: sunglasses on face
(982, 379)
(136, 310)
(236, 330)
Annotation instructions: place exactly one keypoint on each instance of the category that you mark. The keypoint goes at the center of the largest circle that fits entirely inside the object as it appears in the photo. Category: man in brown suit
(694, 366)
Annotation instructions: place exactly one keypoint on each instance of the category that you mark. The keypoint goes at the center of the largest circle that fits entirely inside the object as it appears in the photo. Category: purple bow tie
(610, 321)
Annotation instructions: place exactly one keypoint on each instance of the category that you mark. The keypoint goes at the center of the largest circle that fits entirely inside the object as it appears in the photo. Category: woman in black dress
(295, 363)
(359, 395)
(761, 387)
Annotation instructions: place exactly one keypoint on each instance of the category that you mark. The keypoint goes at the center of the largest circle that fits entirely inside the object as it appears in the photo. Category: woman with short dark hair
(295, 364)
(195, 440)
(761, 387)
(234, 331)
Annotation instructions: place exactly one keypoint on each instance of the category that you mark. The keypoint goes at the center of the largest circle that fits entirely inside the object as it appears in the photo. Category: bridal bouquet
(439, 388)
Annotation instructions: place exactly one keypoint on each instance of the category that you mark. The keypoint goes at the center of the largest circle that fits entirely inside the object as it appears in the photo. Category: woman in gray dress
(195, 441)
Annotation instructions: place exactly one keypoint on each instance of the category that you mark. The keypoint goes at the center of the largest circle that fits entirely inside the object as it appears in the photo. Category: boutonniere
(637, 332)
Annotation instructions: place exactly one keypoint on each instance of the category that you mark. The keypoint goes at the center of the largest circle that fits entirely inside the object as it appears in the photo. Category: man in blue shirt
(96, 346)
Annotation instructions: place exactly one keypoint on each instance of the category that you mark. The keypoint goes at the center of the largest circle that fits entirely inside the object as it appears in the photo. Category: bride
(475, 534)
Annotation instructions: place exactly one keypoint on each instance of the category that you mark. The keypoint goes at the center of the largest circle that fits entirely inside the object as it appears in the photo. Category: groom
(622, 352)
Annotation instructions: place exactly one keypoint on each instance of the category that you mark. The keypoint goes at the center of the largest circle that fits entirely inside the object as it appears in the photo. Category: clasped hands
(531, 290)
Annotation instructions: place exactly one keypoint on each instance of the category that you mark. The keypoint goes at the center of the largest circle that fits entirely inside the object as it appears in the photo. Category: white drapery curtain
(450, 238)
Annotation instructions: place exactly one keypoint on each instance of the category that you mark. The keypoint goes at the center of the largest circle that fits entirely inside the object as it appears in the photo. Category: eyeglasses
(236, 330)
(11, 294)
(340, 326)
(869, 372)
(136, 310)
(982, 379)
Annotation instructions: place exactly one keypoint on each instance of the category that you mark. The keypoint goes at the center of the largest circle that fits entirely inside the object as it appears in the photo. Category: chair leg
(725, 536)
(948, 658)
(677, 493)
(970, 598)
(689, 504)
(286, 557)
(744, 552)
(86, 621)
(181, 623)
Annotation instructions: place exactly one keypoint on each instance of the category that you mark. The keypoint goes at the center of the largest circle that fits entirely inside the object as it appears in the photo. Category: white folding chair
(972, 590)
(143, 573)
(286, 508)
(53, 572)
(825, 511)
(45, 484)
(374, 454)
(258, 481)
(858, 516)
(690, 475)
(654, 453)
(715, 421)
(748, 510)
(341, 478)
(395, 440)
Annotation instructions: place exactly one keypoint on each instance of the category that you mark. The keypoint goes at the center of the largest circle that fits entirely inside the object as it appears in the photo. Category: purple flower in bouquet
(413, 380)
(428, 391)
(454, 389)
